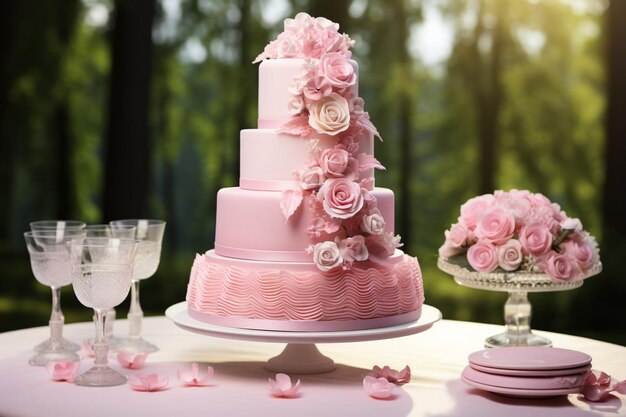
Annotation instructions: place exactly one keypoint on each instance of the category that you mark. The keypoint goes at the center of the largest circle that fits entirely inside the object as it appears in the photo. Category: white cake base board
(301, 356)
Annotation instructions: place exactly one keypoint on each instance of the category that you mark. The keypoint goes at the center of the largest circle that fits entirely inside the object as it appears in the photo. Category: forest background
(124, 109)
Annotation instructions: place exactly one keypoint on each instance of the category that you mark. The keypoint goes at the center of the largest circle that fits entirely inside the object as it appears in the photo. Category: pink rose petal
(281, 386)
(131, 360)
(378, 388)
(193, 379)
(396, 377)
(63, 370)
(148, 383)
(598, 385)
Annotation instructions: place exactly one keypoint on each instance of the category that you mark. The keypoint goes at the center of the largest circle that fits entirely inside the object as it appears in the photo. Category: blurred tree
(128, 145)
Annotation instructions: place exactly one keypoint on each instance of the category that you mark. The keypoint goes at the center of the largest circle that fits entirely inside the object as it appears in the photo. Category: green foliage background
(543, 59)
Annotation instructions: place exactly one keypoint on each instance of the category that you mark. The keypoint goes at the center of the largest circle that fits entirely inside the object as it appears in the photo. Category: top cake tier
(275, 79)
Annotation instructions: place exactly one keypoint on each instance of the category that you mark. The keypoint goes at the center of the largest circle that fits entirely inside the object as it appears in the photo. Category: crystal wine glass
(102, 270)
(150, 235)
(50, 264)
(121, 232)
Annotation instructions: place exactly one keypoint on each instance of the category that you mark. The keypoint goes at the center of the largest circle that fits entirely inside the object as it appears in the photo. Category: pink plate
(529, 358)
(524, 382)
(530, 372)
(521, 393)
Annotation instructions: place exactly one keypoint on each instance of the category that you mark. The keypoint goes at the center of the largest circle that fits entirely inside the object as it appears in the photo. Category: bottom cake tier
(296, 296)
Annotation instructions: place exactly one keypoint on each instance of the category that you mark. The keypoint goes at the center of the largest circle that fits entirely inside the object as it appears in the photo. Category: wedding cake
(306, 242)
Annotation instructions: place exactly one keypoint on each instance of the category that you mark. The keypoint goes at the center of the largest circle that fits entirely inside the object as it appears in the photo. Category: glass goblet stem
(135, 313)
(56, 319)
(100, 346)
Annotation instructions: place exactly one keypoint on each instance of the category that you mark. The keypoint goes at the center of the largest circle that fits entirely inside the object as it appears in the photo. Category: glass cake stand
(301, 355)
(517, 309)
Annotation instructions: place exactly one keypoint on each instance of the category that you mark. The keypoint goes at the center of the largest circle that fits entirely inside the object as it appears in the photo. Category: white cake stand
(301, 355)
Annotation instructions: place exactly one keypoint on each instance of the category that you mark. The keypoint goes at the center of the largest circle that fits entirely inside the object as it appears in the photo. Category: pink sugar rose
(374, 223)
(561, 267)
(583, 251)
(483, 256)
(316, 88)
(495, 225)
(598, 385)
(287, 46)
(472, 209)
(535, 238)
(456, 237)
(334, 162)
(337, 70)
(510, 255)
(448, 251)
(310, 178)
(353, 249)
(330, 115)
(326, 256)
(341, 198)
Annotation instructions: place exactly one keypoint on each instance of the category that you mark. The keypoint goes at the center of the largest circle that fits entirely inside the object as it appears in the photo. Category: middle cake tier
(250, 225)
(269, 159)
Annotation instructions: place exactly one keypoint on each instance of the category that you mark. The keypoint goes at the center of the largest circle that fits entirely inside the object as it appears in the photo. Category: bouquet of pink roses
(521, 231)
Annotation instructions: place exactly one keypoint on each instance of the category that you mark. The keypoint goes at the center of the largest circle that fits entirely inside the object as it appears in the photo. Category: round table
(240, 386)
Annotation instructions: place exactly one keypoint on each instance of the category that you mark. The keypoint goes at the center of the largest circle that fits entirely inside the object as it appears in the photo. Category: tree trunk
(487, 96)
(335, 10)
(128, 145)
(613, 202)
(9, 29)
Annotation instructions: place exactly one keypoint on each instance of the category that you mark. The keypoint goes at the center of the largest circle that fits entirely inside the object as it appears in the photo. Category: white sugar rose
(330, 115)
(572, 224)
(326, 256)
(373, 224)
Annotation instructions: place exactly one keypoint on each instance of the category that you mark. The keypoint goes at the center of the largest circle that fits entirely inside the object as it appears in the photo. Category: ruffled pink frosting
(299, 292)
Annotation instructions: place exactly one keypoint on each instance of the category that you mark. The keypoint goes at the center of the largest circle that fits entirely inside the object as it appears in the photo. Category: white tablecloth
(436, 358)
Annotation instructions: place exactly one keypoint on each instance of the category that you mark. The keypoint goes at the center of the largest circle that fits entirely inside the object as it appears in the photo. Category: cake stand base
(301, 356)
(504, 340)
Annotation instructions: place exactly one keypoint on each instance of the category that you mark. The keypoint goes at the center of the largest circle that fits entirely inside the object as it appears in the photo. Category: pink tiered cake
(306, 242)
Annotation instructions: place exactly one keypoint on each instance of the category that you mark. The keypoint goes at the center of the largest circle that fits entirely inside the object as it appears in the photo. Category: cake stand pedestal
(301, 355)
(517, 309)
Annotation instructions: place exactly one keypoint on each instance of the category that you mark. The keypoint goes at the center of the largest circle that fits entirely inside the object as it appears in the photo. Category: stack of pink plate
(527, 371)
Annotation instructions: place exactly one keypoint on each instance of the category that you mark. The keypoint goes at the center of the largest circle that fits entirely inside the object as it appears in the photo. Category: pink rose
(330, 115)
(583, 251)
(316, 88)
(353, 249)
(457, 235)
(447, 250)
(373, 224)
(310, 178)
(535, 238)
(326, 256)
(337, 70)
(473, 208)
(561, 267)
(341, 198)
(510, 255)
(334, 162)
(496, 225)
(483, 256)
(287, 46)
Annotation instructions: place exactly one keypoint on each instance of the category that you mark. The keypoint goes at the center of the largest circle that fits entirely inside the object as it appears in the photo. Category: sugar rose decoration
(347, 225)
(521, 231)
